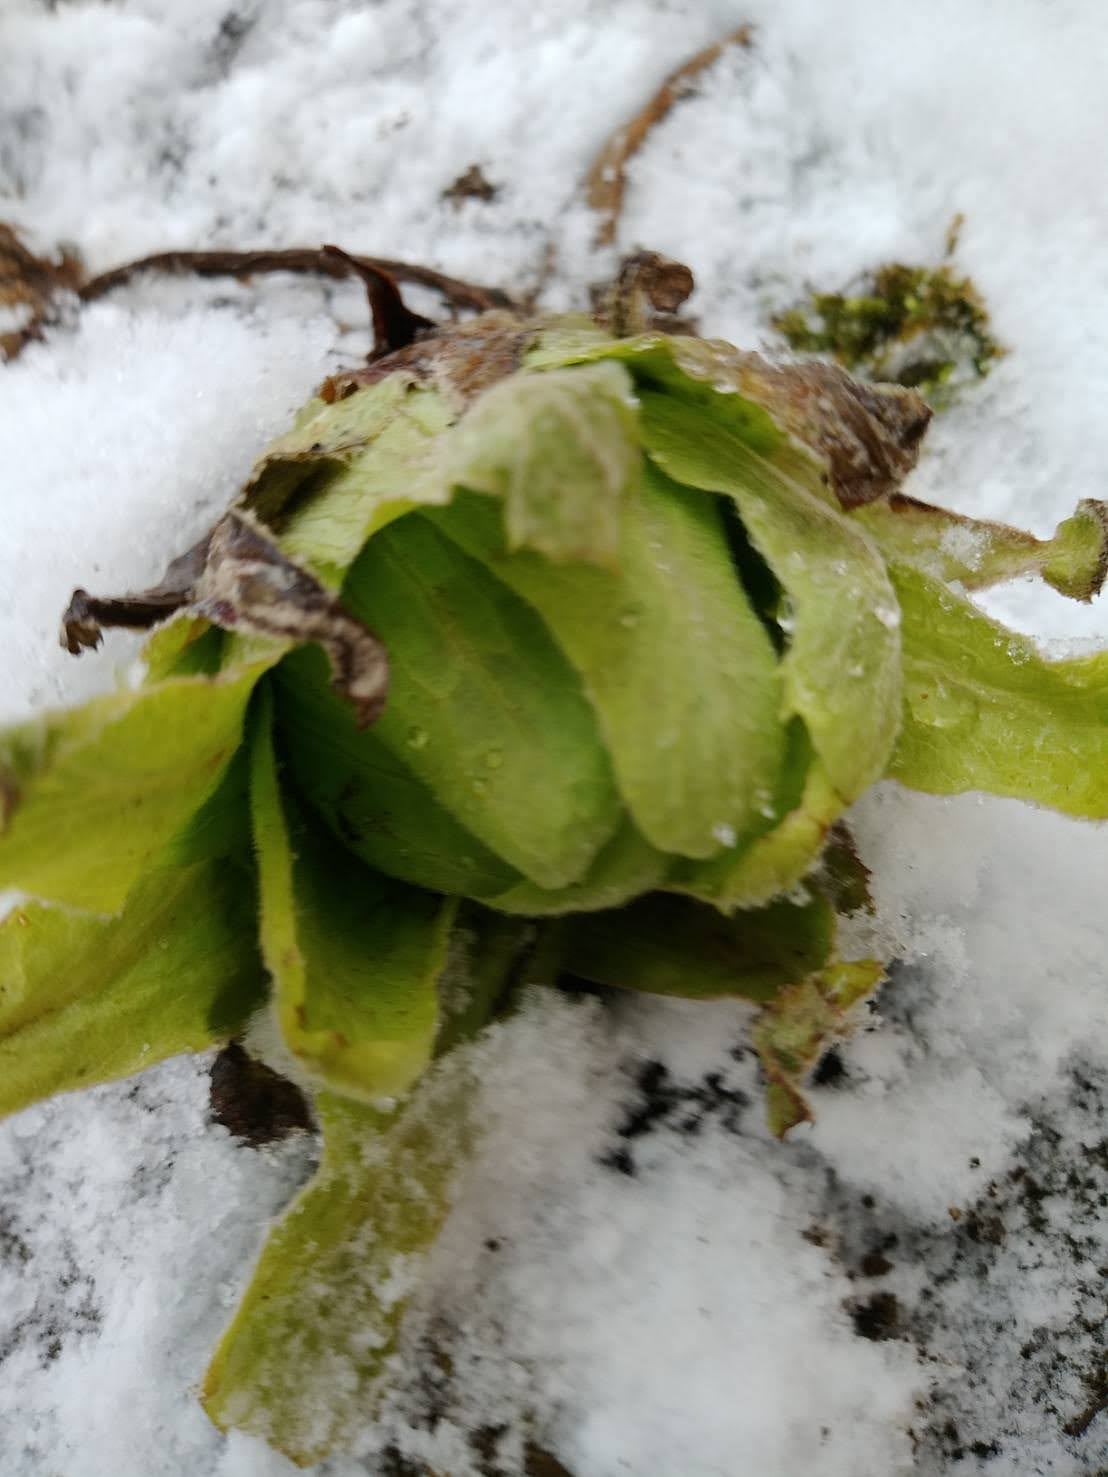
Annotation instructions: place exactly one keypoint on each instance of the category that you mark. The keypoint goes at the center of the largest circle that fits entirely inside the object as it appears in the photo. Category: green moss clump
(922, 327)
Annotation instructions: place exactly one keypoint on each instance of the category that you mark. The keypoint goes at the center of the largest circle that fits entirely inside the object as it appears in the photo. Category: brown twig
(308, 261)
(606, 180)
(25, 278)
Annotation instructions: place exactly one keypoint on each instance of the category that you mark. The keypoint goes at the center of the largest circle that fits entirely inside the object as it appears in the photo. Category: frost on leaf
(976, 553)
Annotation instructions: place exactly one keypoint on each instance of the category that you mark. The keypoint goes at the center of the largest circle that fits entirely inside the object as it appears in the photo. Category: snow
(635, 1278)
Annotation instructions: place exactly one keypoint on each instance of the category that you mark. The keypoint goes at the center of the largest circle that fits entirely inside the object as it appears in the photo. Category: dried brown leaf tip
(238, 579)
(248, 585)
(395, 326)
(472, 185)
(607, 179)
(869, 436)
(87, 615)
(28, 286)
(648, 292)
(461, 359)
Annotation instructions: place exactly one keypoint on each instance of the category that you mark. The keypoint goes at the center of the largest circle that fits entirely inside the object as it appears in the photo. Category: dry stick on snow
(307, 260)
(606, 180)
(36, 280)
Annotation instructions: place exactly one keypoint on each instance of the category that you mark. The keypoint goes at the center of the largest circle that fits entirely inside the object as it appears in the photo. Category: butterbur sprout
(540, 649)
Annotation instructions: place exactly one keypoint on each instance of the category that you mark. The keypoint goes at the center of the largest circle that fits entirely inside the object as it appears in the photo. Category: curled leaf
(353, 494)
(485, 710)
(812, 421)
(679, 670)
(841, 669)
(796, 1028)
(249, 586)
(562, 450)
(237, 578)
(371, 801)
(86, 615)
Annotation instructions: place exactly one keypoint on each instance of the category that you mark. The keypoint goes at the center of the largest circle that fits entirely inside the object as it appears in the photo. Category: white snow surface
(635, 1278)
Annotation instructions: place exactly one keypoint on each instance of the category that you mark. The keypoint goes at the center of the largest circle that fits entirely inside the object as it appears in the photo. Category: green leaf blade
(561, 448)
(355, 958)
(368, 797)
(86, 999)
(298, 1363)
(678, 668)
(984, 710)
(667, 945)
(484, 709)
(356, 494)
(117, 779)
(842, 667)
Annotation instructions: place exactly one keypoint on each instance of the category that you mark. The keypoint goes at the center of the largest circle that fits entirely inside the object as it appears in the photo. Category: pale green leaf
(86, 999)
(845, 441)
(626, 867)
(93, 795)
(483, 707)
(842, 665)
(355, 495)
(298, 1363)
(984, 710)
(976, 553)
(355, 957)
(562, 450)
(322, 432)
(371, 800)
(681, 673)
(734, 387)
(756, 871)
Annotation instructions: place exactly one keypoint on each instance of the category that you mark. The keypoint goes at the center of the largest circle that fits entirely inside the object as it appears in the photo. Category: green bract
(531, 653)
